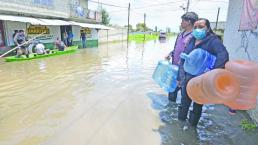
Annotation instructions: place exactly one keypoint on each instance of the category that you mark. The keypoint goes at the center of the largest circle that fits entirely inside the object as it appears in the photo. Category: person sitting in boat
(19, 39)
(59, 44)
(40, 49)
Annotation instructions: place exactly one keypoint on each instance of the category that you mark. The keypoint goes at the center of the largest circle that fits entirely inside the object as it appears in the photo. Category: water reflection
(162, 40)
(101, 96)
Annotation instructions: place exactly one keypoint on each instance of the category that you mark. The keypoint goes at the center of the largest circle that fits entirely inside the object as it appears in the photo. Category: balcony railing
(54, 8)
(84, 13)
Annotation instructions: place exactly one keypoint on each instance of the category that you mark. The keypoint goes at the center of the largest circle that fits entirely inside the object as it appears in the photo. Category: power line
(161, 4)
(219, 1)
(154, 5)
(112, 5)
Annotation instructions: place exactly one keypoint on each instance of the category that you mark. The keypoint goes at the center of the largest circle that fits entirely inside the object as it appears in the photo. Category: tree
(105, 17)
(140, 27)
(130, 28)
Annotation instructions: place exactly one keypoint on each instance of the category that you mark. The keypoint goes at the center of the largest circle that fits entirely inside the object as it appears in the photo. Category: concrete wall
(117, 34)
(46, 38)
(77, 33)
(58, 9)
(238, 42)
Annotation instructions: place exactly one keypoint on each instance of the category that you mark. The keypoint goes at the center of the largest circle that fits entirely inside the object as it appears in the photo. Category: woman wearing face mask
(204, 38)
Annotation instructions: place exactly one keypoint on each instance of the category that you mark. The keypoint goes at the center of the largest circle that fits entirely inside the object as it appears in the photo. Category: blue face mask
(199, 33)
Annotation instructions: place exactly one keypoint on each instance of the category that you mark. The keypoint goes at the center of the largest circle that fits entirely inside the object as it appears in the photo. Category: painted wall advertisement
(249, 16)
(87, 31)
(36, 30)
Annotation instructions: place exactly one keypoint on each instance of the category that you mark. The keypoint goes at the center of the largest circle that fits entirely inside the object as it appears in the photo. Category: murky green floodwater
(102, 96)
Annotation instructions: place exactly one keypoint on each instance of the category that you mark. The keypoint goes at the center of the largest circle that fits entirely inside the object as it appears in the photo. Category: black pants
(173, 95)
(186, 101)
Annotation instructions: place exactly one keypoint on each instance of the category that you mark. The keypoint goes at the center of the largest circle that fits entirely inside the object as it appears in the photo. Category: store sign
(37, 30)
(87, 31)
(34, 30)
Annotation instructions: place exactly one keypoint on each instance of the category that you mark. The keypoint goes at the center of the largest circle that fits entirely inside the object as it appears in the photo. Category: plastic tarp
(33, 21)
(55, 22)
(87, 25)
(249, 16)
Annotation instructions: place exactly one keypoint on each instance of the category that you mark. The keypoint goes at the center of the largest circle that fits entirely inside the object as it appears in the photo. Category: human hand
(167, 57)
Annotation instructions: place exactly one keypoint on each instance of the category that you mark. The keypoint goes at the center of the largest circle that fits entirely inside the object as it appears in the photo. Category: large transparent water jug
(247, 74)
(165, 75)
(198, 61)
(214, 87)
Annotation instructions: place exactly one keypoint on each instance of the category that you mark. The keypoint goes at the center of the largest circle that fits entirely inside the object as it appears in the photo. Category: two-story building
(54, 17)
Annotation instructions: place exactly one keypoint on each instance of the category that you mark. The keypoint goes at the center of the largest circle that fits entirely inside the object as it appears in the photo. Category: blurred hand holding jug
(198, 61)
(236, 86)
(165, 75)
(247, 74)
(214, 87)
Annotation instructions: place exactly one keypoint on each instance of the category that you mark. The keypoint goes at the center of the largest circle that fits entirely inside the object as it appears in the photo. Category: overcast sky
(161, 13)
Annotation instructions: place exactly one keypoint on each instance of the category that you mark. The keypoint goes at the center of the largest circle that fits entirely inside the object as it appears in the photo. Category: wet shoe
(231, 111)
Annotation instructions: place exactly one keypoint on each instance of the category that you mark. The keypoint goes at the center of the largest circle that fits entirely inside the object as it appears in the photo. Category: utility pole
(216, 26)
(187, 6)
(144, 25)
(129, 7)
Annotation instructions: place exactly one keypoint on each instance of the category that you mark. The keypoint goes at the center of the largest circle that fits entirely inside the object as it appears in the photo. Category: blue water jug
(165, 75)
(198, 61)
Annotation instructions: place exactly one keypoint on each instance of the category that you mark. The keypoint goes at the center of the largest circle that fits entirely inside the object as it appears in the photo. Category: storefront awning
(33, 21)
(55, 22)
(87, 25)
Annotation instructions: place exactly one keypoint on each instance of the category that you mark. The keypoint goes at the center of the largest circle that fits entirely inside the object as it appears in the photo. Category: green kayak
(67, 50)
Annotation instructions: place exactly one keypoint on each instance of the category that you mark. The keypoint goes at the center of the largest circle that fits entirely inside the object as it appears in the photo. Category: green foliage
(247, 126)
(130, 28)
(139, 38)
(105, 17)
(141, 26)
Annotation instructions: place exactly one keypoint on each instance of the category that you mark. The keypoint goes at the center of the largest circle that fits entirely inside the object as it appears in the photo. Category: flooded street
(103, 96)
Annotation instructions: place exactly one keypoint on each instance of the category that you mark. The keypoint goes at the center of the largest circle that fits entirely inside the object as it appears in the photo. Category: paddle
(21, 45)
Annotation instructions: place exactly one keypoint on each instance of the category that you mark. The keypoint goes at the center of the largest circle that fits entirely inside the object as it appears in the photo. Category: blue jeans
(83, 43)
(186, 101)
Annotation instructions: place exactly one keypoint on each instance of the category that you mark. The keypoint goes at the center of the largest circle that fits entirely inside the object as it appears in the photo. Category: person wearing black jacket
(204, 38)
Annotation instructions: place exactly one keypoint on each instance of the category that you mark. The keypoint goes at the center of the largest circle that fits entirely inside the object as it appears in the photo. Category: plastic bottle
(198, 61)
(165, 75)
(247, 73)
(214, 87)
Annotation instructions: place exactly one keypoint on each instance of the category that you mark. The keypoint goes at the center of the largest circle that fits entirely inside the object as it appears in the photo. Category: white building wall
(77, 33)
(236, 43)
(9, 30)
(59, 9)
(116, 34)
(10, 26)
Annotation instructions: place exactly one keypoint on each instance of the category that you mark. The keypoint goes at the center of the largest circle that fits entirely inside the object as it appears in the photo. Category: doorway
(64, 29)
(2, 38)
